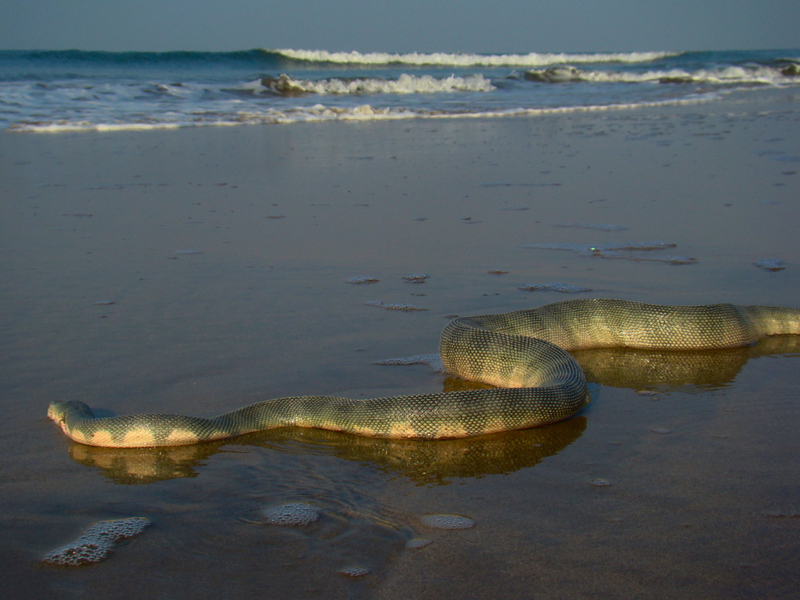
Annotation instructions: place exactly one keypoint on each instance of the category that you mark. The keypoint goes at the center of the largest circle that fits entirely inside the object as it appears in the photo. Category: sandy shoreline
(197, 270)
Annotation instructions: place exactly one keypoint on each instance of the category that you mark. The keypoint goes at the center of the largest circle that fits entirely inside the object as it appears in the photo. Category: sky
(484, 26)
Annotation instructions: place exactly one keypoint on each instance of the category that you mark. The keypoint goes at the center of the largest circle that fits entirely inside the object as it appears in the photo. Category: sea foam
(320, 112)
(732, 75)
(531, 59)
(405, 84)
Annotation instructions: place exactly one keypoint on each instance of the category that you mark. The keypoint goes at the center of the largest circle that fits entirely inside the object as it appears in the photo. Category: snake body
(523, 353)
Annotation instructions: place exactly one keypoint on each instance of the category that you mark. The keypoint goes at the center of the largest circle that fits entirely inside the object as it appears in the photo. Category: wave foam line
(725, 76)
(321, 113)
(533, 59)
(405, 84)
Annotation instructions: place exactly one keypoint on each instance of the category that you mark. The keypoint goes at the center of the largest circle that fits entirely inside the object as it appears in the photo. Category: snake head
(56, 411)
(59, 410)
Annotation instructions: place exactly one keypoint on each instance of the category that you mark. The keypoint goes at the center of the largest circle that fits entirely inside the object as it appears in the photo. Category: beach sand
(193, 271)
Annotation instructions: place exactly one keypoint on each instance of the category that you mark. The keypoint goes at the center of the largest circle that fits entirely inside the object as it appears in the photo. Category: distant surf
(532, 59)
(53, 91)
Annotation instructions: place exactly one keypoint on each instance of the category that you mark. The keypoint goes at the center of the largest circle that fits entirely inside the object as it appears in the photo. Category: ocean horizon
(75, 90)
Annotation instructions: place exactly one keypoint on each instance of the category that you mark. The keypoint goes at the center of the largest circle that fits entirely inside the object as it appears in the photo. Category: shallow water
(111, 309)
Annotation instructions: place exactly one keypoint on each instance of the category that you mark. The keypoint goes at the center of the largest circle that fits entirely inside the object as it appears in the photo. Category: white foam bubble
(600, 482)
(96, 542)
(361, 279)
(401, 307)
(416, 278)
(294, 514)
(354, 571)
(445, 521)
(563, 288)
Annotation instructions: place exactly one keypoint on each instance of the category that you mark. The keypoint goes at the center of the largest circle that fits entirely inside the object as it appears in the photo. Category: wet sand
(194, 271)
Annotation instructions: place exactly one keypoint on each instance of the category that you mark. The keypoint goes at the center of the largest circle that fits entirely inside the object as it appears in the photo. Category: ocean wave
(320, 113)
(404, 84)
(72, 90)
(532, 59)
(731, 75)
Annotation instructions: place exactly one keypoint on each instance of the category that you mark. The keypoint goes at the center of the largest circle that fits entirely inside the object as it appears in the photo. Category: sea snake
(524, 353)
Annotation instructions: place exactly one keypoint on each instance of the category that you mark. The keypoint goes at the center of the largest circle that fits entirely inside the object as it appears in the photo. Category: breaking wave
(404, 84)
(731, 75)
(532, 59)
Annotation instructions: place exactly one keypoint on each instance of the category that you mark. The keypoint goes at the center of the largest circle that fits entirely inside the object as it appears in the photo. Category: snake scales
(523, 353)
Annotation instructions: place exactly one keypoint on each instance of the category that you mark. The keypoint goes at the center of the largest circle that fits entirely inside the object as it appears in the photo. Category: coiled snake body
(523, 353)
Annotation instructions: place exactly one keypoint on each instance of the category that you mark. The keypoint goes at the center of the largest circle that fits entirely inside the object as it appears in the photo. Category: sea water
(77, 90)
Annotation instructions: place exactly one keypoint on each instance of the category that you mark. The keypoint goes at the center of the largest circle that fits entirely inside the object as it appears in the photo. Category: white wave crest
(405, 84)
(724, 76)
(533, 59)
